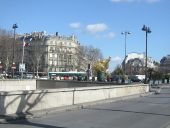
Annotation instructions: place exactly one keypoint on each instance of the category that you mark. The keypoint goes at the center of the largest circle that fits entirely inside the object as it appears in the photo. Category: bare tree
(87, 55)
(37, 50)
(34, 50)
(6, 49)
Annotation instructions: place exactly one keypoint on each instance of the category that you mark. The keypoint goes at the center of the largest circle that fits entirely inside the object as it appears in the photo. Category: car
(43, 77)
(29, 76)
(134, 79)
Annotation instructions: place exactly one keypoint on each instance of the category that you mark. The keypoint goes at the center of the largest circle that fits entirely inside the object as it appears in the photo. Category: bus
(67, 75)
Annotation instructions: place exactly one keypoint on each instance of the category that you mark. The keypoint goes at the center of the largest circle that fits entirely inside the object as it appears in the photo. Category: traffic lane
(151, 111)
(28, 124)
(138, 113)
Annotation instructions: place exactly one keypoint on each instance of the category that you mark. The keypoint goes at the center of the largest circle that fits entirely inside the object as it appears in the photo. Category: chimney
(56, 34)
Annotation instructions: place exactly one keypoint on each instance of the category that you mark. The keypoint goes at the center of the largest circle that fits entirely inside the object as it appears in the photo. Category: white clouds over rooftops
(126, 1)
(117, 59)
(95, 28)
(92, 28)
(75, 25)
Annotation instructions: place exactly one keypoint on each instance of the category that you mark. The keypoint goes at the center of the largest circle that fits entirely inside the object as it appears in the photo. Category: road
(151, 111)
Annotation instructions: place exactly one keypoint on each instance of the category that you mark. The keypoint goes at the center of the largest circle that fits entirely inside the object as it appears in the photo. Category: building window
(55, 63)
(51, 62)
(59, 50)
(55, 55)
(53, 69)
(65, 56)
(56, 69)
(51, 55)
(69, 56)
(51, 48)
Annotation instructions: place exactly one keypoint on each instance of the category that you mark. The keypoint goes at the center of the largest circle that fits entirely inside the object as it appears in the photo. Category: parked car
(29, 76)
(43, 77)
(134, 79)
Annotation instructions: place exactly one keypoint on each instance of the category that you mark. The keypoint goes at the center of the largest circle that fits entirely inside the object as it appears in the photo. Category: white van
(29, 76)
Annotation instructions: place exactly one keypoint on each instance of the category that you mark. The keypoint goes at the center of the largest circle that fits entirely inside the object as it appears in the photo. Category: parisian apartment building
(61, 53)
(48, 53)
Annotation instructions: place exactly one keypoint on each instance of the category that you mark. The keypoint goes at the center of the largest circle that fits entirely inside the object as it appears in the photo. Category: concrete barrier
(15, 85)
(28, 101)
(51, 84)
(91, 94)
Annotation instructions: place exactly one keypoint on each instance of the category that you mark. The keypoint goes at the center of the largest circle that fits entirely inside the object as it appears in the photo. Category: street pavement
(149, 111)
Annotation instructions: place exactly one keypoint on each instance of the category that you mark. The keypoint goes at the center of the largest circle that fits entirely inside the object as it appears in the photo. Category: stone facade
(165, 64)
(61, 53)
(135, 64)
(56, 52)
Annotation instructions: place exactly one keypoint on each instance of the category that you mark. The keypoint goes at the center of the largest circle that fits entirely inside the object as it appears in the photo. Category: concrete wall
(100, 93)
(27, 101)
(15, 85)
(51, 84)
(33, 84)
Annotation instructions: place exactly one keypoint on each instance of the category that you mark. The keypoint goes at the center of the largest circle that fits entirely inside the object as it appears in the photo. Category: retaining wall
(28, 101)
(15, 85)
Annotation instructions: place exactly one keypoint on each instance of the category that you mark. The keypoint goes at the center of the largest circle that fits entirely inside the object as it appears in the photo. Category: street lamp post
(125, 34)
(22, 65)
(13, 48)
(147, 30)
(1, 66)
(22, 61)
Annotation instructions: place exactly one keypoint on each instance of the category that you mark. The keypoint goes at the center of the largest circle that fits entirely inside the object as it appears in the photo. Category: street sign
(0, 64)
(21, 67)
(13, 66)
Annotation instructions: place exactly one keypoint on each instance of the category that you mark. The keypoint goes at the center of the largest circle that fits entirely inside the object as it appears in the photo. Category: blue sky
(96, 22)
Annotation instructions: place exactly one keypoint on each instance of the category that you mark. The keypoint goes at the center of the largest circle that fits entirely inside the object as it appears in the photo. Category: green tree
(156, 75)
(118, 71)
(167, 77)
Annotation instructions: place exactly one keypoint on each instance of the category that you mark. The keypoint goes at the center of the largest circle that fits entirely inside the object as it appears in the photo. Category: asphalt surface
(150, 111)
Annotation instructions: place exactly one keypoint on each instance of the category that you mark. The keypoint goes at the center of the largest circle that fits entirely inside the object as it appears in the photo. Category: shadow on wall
(24, 101)
(24, 106)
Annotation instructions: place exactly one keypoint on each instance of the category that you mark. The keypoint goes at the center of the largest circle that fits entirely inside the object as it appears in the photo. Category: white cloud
(110, 35)
(75, 25)
(117, 59)
(107, 36)
(114, 62)
(95, 28)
